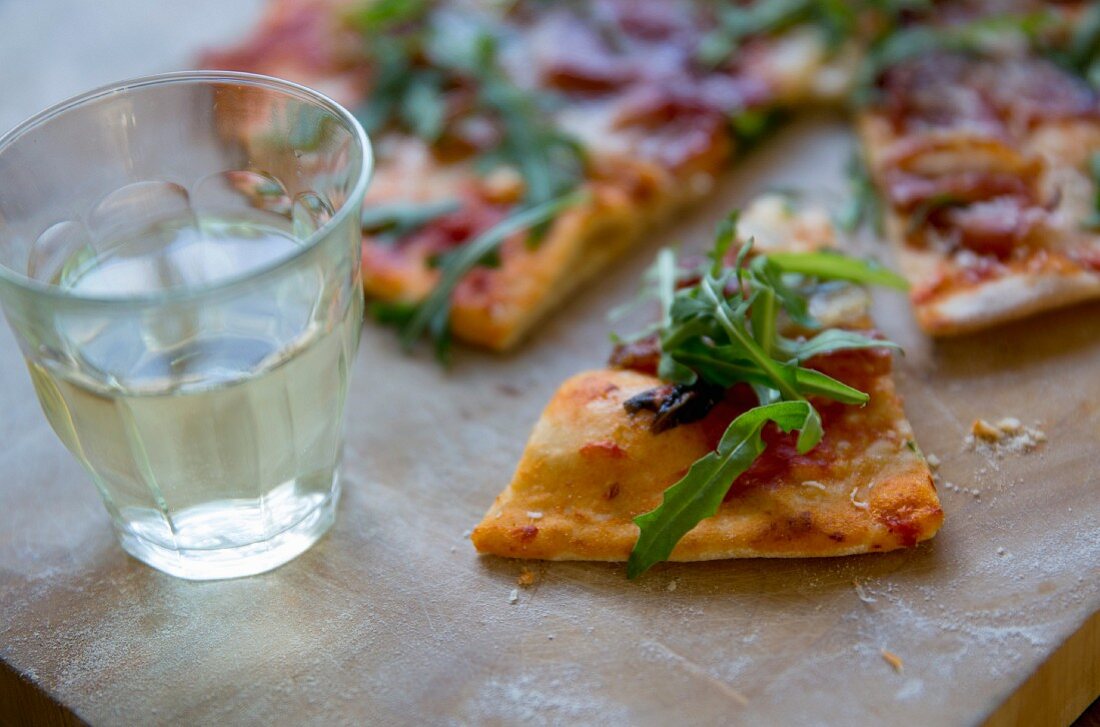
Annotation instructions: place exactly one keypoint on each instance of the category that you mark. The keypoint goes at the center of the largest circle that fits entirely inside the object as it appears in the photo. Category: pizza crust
(590, 468)
(1005, 299)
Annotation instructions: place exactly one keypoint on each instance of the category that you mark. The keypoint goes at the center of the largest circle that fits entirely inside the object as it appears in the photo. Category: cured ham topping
(933, 91)
(942, 90)
(302, 40)
(1034, 90)
(994, 227)
(454, 229)
(642, 59)
(906, 192)
(642, 356)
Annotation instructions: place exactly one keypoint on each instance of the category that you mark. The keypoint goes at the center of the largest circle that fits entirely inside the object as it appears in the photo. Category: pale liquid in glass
(212, 434)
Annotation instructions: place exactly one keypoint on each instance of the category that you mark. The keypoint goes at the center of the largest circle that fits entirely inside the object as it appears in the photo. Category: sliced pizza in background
(986, 153)
(523, 146)
(603, 118)
(650, 458)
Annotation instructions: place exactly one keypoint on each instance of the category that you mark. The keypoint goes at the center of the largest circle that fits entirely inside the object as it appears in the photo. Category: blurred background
(53, 49)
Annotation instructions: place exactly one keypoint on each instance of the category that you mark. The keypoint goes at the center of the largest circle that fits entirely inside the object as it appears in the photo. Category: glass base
(213, 563)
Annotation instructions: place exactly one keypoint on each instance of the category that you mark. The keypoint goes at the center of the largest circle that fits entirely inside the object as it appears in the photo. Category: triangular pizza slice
(612, 441)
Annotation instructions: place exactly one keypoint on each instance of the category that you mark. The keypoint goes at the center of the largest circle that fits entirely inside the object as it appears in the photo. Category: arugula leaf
(400, 218)
(838, 20)
(719, 368)
(831, 341)
(751, 125)
(835, 266)
(380, 15)
(550, 162)
(700, 492)
(1084, 46)
(723, 330)
(419, 58)
(422, 106)
(1092, 222)
(864, 203)
(432, 315)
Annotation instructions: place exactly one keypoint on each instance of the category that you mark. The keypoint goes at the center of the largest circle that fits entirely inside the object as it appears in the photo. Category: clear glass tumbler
(179, 260)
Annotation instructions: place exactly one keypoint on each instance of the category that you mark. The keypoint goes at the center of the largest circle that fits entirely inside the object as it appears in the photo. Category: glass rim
(188, 293)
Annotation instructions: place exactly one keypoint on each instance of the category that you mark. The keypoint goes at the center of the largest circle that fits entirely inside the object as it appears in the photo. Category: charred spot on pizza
(525, 533)
(605, 448)
(675, 404)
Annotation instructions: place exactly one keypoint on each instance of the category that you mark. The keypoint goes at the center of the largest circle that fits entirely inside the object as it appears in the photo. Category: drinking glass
(179, 260)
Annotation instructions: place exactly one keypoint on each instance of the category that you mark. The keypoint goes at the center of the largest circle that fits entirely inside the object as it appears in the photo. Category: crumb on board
(893, 660)
(527, 577)
(1007, 435)
(513, 597)
(671, 585)
(861, 594)
(467, 533)
(933, 461)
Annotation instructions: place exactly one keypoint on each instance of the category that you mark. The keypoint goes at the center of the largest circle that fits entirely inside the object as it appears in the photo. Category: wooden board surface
(392, 618)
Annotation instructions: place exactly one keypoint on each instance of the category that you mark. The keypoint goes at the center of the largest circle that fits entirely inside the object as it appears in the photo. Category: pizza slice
(987, 158)
(588, 122)
(758, 419)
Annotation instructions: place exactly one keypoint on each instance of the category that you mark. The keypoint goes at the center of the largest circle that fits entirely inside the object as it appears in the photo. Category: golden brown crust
(590, 468)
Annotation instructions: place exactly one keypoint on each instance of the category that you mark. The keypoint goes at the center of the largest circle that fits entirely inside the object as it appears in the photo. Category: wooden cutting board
(392, 618)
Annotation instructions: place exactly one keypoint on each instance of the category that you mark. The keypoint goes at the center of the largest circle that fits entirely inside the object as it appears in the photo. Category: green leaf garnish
(699, 493)
(832, 341)
(401, 218)
(419, 59)
(1092, 222)
(863, 203)
(1081, 54)
(726, 329)
(835, 266)
(751, 125)
(377, 16)
(738, 22)
(431, 316)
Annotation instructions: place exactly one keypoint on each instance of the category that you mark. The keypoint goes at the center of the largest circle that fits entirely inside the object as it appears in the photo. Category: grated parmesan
(861, 504)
